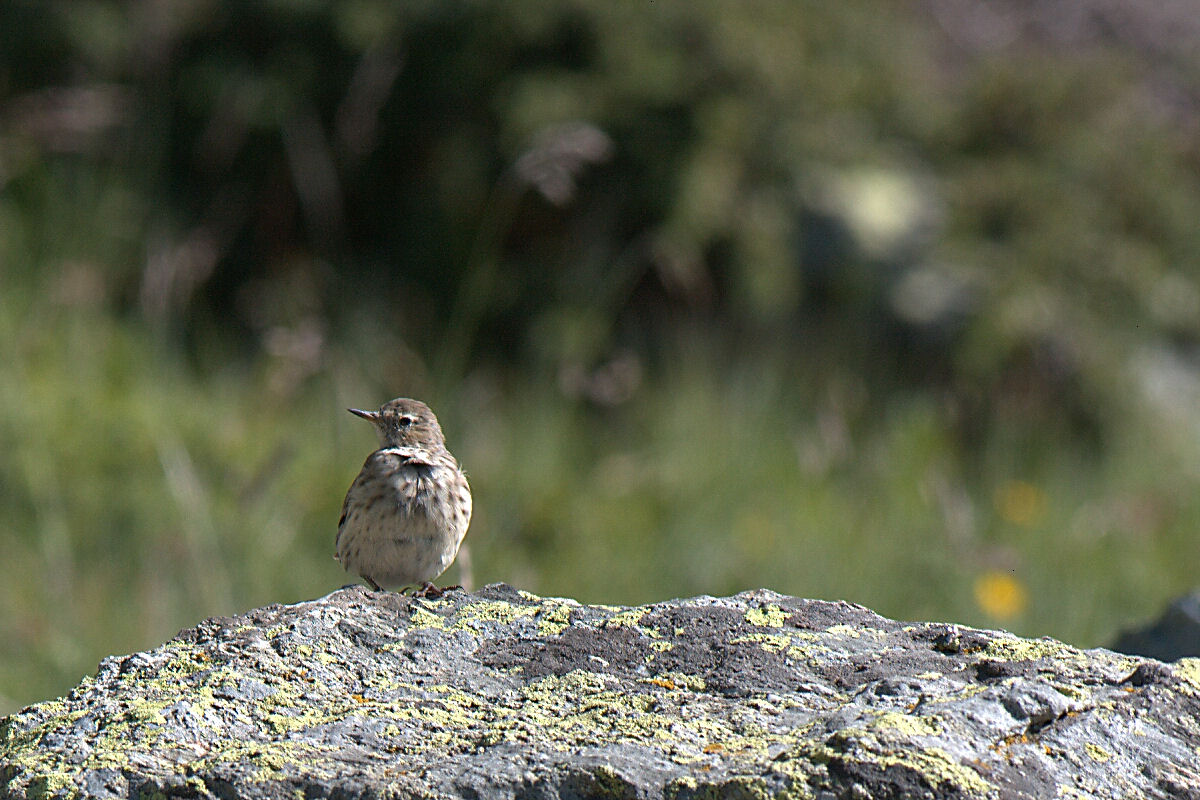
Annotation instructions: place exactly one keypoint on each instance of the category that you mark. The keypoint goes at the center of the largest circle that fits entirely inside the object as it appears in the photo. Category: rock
(501, 694)
(1175, 635)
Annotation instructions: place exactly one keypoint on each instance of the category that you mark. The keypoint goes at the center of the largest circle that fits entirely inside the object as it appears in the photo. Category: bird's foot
(428, 590)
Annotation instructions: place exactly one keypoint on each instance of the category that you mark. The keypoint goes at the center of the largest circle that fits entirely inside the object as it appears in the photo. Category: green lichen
(186, 660)
(794, 644)
(55, 784)
(137, 725)
(475, 616)
(270, 759)
(286, 717)
(738, 787)
(908, 724)
(554, 620)
(628, 618)
(584, 709)
(939, 768)
(1078, 693)
(670, 713)
(857, 746)
(1189, 670)
(422, 618)
(770, 616)
(1010, 648)
(855, 632)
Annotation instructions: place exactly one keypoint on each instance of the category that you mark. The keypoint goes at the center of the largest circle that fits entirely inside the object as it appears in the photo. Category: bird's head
(404, 423)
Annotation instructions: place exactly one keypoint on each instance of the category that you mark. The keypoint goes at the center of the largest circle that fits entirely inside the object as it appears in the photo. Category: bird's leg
(371, 581)
(429, 590)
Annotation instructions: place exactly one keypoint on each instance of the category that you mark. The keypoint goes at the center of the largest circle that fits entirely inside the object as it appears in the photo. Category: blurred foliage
(896, 303)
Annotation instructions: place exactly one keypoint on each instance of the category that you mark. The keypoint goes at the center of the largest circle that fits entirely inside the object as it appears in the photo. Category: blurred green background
(897, 303)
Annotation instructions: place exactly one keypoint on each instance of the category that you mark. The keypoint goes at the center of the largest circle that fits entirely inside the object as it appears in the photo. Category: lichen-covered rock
(503, 694)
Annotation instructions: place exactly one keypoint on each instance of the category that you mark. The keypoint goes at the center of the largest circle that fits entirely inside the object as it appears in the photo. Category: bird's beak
(369, 416)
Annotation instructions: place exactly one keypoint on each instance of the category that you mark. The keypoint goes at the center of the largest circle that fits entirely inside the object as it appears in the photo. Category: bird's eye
(404, 422)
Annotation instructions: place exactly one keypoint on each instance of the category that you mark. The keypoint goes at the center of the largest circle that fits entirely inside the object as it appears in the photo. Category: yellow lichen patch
(909, 724)
(936, 765)
(185, 660)
(1097, 752)
(23, 751)
(770, 616)
(451, 697)
(1010, 648)
(286, 716)
(498, 612)
(628, 618)
(578, 682)
(855, 631)
(270, 758)
(603, 713)
(52, 785)
(1189, 670)
(116, 738)
(939, 767)
(554, 619)
(422, 618)
(1074, 692)
(740, 786)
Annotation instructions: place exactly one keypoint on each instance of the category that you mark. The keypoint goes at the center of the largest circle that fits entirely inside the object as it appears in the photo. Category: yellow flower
(1000, 595)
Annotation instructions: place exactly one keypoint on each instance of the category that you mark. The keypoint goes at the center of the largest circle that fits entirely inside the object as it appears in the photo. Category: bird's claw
(431, 592)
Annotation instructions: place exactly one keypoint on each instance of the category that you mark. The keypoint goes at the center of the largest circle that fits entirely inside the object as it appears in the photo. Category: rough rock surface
(504, 694)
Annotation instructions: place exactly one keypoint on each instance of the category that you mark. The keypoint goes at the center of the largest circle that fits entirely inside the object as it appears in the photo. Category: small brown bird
(406, 513)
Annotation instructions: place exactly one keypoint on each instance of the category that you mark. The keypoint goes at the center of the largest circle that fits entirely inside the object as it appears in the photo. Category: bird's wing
(342, 518)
